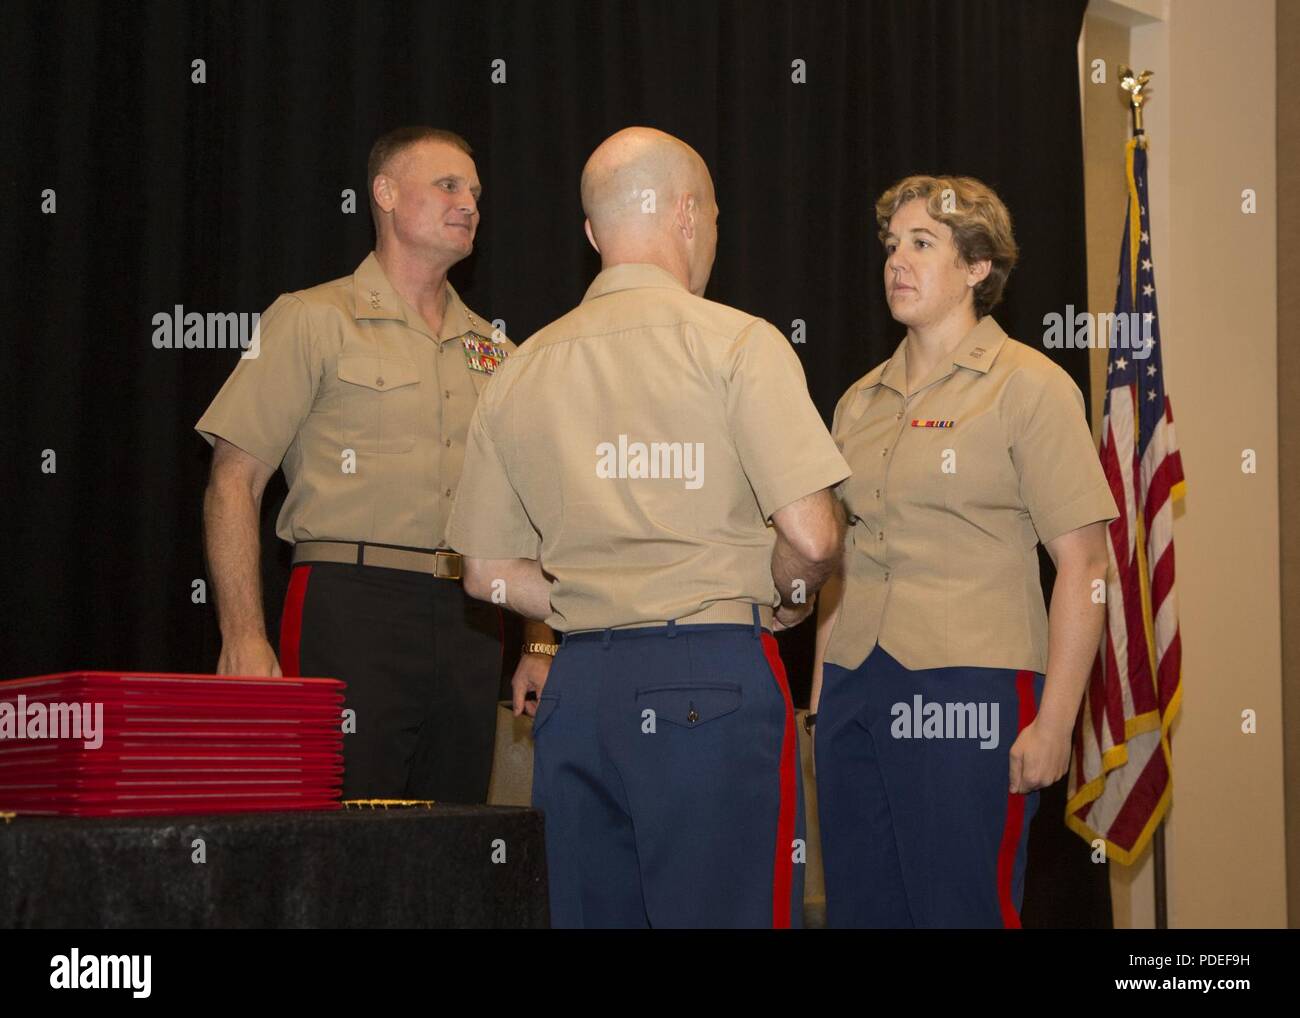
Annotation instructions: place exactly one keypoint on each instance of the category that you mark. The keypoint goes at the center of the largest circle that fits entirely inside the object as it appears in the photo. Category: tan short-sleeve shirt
(953, 488)
(363, 406)
(637, 447)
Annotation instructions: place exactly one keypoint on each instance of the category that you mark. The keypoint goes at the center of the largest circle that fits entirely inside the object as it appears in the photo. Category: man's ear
(686, 206)
(977, 272)
(591, 237)
(383, 193)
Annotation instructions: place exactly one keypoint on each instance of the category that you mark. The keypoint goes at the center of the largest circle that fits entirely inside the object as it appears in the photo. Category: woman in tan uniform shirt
(943, 695)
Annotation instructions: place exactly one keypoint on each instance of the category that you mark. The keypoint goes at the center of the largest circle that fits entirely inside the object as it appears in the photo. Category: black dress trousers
(422, 662)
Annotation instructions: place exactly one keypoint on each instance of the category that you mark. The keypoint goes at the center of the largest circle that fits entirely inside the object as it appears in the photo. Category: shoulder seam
(657, 325)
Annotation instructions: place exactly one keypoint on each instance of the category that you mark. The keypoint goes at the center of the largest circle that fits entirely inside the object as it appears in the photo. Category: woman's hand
(1039, 757)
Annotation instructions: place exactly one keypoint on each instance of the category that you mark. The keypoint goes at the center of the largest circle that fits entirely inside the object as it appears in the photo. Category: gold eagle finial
(1135, 85)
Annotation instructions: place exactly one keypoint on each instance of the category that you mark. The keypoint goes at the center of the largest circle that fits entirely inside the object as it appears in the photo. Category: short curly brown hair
(980, 224)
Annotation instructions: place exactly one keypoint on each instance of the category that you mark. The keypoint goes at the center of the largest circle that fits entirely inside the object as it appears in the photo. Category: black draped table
(444, 866)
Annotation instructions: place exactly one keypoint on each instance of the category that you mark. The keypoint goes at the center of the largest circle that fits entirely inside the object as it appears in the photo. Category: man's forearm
(517, 583)
(230, 538)
(798, 577)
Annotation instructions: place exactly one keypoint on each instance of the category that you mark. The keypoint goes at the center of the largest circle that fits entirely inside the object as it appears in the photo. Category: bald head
(648, 197)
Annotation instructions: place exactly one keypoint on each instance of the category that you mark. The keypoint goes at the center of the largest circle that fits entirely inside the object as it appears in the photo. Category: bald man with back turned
(660, 480)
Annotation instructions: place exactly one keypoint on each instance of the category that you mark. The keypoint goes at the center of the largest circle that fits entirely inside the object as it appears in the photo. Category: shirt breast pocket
(976, 473)
(380, 403)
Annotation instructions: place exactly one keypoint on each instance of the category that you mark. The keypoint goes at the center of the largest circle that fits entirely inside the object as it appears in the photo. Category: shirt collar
(895, 373)
(373, 297)
(630, 276)
(977, 350)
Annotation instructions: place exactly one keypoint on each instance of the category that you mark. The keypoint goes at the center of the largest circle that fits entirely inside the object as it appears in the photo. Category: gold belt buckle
(447, 565)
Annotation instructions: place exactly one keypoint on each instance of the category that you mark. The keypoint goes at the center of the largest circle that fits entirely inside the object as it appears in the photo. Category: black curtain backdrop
(220, 195)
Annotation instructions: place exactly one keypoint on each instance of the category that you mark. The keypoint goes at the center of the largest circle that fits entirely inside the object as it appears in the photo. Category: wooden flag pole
(1162, 901)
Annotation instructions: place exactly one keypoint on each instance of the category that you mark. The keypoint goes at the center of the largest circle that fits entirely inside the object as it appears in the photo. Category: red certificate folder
(120, 743)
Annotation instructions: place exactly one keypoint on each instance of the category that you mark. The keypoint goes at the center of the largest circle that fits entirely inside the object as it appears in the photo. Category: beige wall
(1211, 126)
(1105, 132)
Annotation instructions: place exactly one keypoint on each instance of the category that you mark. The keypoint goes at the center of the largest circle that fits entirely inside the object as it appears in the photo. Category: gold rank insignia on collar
(481, 354)
(497, 338)
(374, 299)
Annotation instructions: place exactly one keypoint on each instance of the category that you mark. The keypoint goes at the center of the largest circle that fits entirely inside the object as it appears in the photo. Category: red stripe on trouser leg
(783, 869)
(1015, 811)
(291, 621)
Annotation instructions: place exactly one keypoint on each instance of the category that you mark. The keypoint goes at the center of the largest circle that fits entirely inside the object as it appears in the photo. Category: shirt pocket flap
(690, 706)
(378, 373)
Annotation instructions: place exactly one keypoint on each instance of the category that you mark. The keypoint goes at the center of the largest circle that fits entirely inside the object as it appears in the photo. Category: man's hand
(530, 676)
(249, 656)
(1039, 757)
(787, 616)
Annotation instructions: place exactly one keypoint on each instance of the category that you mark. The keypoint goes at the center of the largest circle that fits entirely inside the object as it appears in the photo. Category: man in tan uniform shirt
(362, 390)
(638, 448)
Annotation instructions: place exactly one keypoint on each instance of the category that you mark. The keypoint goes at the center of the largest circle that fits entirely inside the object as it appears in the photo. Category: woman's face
(925, 279)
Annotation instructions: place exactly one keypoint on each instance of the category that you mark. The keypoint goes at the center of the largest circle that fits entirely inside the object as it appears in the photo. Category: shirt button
(449, 493)
(886, 577)
(880, 536)
(898, 416)
(446, 393)
(877, 493)
(447, 443)
(380, 382)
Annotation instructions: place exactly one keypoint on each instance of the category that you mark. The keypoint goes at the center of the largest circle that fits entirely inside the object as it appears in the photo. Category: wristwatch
(549, 649)
(809, 720)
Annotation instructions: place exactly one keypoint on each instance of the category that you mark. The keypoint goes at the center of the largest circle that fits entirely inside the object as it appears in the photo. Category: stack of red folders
(137, 744)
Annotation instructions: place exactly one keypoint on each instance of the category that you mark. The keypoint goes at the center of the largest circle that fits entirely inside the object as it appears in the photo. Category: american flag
(1121, 773)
